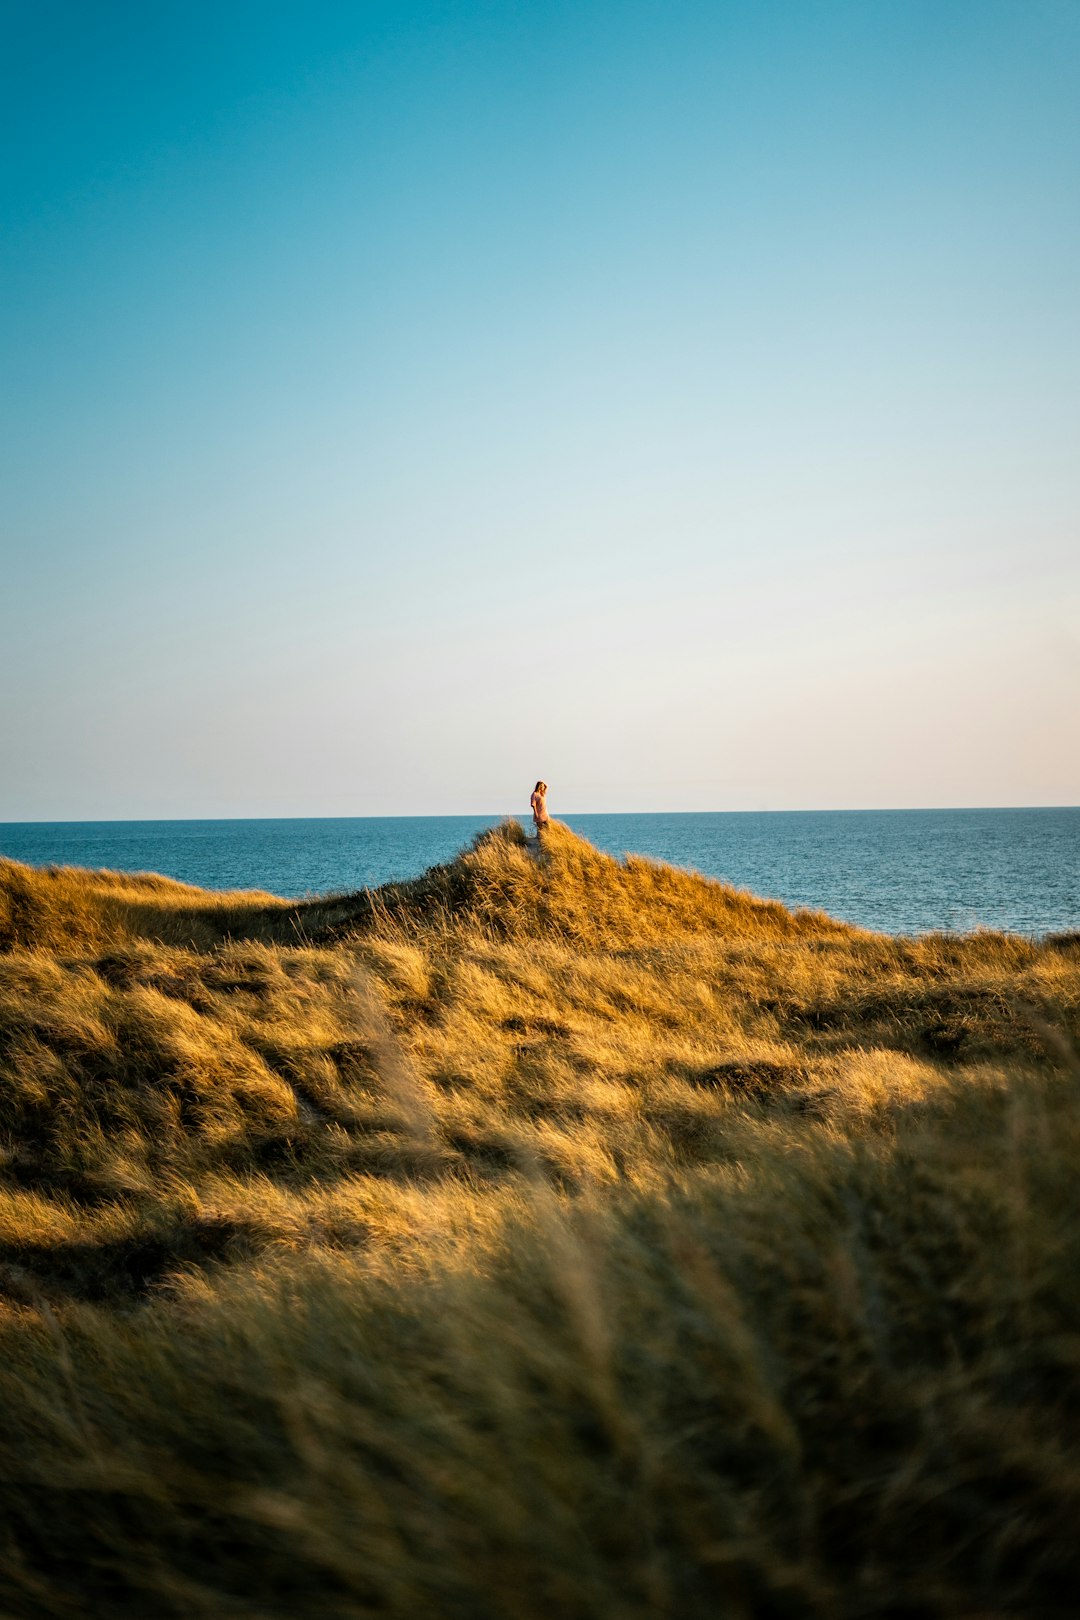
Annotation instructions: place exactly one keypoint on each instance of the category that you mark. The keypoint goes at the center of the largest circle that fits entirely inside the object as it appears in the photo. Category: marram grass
(546, 1237)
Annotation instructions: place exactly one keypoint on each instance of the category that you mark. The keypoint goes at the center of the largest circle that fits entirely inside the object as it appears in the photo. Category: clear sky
(680, 401)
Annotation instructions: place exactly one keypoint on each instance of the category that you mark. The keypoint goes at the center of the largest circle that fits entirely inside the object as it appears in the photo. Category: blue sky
(677, 401)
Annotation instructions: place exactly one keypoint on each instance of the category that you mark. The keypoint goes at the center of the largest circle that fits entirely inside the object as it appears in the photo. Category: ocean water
(901, 871)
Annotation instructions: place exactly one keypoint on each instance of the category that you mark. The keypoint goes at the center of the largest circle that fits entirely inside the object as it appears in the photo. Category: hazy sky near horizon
(679, 401)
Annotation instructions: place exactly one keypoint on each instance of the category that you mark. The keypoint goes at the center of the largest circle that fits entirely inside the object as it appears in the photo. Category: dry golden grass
(546, 1236)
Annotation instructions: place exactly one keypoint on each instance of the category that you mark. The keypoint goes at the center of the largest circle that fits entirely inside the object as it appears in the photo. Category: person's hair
(540, 787)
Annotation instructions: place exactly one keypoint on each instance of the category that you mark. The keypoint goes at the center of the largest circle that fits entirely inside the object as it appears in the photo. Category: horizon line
(510, 815)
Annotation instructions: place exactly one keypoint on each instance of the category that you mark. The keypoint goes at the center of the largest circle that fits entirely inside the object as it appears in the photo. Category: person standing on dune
(539, 807)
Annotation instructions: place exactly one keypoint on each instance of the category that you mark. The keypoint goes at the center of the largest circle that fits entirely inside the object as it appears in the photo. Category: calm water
(903, 871)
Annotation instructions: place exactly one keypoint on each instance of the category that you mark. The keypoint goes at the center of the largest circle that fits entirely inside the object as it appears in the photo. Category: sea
(898, 871)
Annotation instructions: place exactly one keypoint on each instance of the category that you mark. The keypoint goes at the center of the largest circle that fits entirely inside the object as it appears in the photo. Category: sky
(678, 401)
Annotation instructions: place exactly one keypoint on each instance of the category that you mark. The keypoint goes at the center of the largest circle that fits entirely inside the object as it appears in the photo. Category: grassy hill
(546, 1236)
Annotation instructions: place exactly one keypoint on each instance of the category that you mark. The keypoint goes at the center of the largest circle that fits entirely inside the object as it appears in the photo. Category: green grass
(543, 1237)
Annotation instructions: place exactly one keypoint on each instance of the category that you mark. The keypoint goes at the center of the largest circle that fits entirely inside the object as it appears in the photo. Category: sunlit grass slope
(551, 1235)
